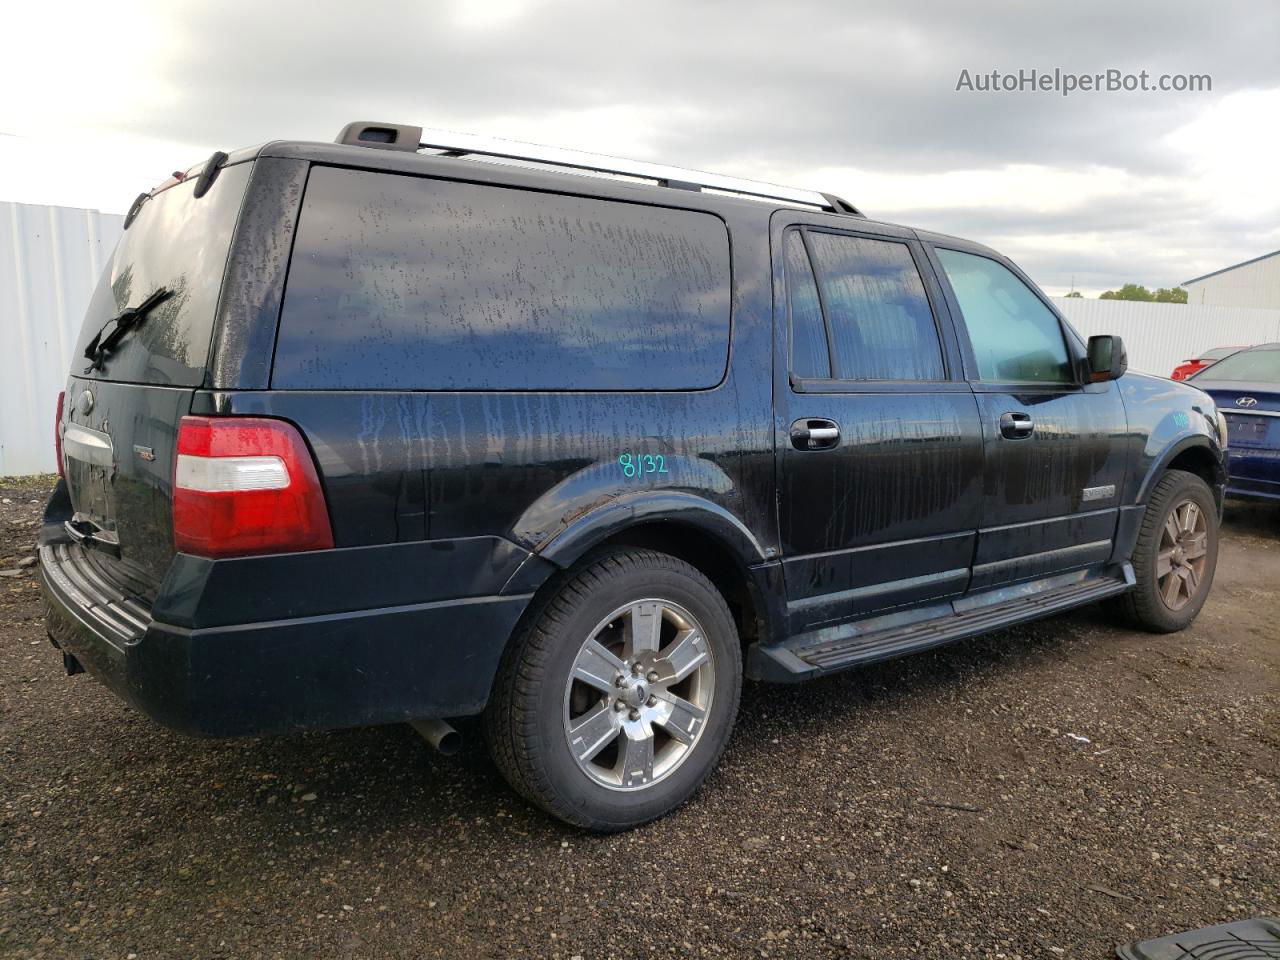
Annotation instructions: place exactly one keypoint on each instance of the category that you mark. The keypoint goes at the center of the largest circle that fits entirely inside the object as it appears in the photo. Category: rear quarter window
(409, 283)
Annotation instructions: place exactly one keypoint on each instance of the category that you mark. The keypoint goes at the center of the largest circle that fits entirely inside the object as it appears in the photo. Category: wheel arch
(1195, 455)
(703, 534)
(684, 511)
(714, 558)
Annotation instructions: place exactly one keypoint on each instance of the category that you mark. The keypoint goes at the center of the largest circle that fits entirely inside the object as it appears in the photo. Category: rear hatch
(1252, 412)
(121, 413)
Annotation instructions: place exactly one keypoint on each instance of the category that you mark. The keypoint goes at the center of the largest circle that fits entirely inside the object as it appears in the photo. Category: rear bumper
(1253, 474)
(216, 675)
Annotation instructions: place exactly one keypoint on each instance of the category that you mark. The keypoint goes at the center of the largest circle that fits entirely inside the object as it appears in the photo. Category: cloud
(859, 99)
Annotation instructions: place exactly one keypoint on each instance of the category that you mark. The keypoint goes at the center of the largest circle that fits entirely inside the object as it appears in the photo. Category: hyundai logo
(1246, 402)
(85, 404)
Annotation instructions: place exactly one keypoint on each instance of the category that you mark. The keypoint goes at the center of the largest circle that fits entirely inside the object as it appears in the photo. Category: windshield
(177, 243)
(1257, 366)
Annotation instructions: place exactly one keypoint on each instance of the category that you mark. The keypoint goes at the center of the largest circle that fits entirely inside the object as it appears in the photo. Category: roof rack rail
(396, 136)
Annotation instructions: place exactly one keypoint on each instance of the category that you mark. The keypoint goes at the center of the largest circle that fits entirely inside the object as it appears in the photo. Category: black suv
(383, 431)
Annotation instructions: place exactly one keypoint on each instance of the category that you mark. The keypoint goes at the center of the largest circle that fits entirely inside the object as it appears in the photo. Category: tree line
(1135, 291)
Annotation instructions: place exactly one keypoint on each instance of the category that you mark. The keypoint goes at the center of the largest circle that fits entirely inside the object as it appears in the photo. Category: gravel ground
(1047, 791)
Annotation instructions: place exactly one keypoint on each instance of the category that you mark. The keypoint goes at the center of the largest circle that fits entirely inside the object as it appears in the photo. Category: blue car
(1246, 387)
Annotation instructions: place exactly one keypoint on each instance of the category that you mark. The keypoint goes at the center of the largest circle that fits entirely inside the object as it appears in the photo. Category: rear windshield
(1217, 353)
(1260, 366)
(178, 243)
(408, 283)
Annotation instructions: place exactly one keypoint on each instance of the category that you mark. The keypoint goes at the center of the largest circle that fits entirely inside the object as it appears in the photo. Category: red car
(1189, 368)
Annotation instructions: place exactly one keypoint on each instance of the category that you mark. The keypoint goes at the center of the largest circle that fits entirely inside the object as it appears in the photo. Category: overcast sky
(103, 100)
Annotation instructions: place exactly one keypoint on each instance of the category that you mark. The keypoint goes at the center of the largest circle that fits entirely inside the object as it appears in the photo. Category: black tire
(1144, 606)
(526, 717)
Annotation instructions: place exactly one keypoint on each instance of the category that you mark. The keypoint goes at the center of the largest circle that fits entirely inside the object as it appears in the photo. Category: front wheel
(1175, 556)
(618, 698)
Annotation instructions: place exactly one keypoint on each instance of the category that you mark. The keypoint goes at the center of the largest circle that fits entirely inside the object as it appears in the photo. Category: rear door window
(178, 242)
(810, 358)
(409, 283)
(881, 324)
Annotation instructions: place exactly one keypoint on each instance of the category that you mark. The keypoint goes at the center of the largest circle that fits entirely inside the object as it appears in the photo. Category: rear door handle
(1016, 425)
(815, 433)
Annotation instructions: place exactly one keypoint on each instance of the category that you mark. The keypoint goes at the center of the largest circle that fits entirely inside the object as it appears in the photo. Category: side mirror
(1107, 359)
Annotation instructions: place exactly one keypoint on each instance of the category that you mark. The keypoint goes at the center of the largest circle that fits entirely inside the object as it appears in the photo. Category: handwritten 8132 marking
(638, 464)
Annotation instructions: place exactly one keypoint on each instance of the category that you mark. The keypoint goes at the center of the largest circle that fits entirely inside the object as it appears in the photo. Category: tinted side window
(409, 283)
(1014, 335)
(810, 358)
(880, 318)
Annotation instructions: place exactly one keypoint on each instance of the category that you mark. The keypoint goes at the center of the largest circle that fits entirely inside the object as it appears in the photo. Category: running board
(893, 635)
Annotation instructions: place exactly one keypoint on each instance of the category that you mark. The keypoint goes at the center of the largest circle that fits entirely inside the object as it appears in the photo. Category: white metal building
(50, 261)
(1159, 336)
(1254, 283)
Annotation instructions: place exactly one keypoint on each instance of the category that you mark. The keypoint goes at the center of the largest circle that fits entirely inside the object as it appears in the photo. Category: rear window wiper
(124, 321)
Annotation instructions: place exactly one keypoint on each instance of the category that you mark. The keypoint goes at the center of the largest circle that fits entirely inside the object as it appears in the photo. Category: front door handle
(815, 433)
(1016, 425)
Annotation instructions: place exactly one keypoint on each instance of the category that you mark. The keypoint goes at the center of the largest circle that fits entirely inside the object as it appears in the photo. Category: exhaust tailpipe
(440, 734)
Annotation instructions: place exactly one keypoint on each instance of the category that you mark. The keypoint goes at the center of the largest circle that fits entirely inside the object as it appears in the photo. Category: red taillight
(246, 485)
(57, 434)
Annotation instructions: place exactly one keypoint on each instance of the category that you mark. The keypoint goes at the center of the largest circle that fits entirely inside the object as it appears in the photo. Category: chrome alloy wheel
(638, 697)
(1180, 562)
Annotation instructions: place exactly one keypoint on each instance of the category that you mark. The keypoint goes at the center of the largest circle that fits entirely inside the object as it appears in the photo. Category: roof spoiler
(208, 173)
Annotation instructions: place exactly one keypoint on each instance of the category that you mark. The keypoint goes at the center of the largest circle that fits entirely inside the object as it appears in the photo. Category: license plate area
(1247, 431)
(89, 461)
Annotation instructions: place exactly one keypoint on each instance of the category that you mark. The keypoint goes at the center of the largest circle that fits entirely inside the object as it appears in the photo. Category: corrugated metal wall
(1159, 336)
(50, 261)
(1253, 284)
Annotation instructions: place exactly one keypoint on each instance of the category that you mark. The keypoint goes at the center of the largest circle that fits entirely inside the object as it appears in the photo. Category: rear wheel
(1175, 556)
(617, 700)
